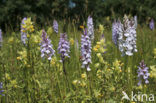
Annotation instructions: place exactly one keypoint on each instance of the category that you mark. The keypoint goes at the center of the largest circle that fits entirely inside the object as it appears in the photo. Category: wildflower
(127, 37)
(83, 76)
(151, 24)
(71, 41)
(81, 27)
(63, 46)
(75, 82)
(36, 39)
(101, 45)
(153, 71)
(90, 27)
(101, 29)
(27, 25)
(23, 34)
(1, 89)
(82, 84)
(18, 58)
(7, 76)
(46, 46)
(143, 73)
(86, 50)
(97, 65)
(55, 26)
(115, 35)
(135, 20)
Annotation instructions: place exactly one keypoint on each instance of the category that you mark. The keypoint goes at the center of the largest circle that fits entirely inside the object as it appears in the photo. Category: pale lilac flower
(127, 36)
(23, 34)
(64, 46)
(143, 73)
(86, 50)
(151, 25)
(55, 26)
(90, 27)
(46, 46)
(136, 22)
(1, 89)
(1, 39)
(115, 35)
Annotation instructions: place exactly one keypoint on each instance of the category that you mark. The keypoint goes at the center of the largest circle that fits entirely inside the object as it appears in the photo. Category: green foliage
(29, 78)
(44, 11)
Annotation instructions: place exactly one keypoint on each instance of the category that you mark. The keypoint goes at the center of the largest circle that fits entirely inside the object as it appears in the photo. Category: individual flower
(127, 36)
(64, 46)
(86, 50)
(90, 27)
(151, 24)
(55, 26)
(1, 39)
(81, 27)
(100, 46)
(71, 41)
(27, 26)
(115, 35)
(101, 29)
(153, 71)
(143, 73)
(23, 33)
(1, 89)
(46, 46)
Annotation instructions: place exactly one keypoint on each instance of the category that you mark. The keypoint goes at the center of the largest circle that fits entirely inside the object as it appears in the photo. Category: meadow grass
(39, 81)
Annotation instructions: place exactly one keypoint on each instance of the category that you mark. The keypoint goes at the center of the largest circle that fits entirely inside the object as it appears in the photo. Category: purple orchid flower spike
(64, 49)
(143, 73)
(64, 46)
(55, 26)
(86, 50)
(90, 27)
(23, 34)
(115, 35)
(1, 89)
(151, 25)
(46, 46)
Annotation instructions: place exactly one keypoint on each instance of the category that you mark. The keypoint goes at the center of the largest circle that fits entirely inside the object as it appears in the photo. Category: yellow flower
(95, 49)
(101, 29)
(97, 46)
(71, 41)
(98, 43)
(18, 58)
(83, 76)
(83, 84)
(53, 61)
(99, 55)
(101, 60)
(14, 83)
(7, 76)
(75, 82)
(97, 65)
(28, 35)
(28, 26)
(153, 71)
(82, 27)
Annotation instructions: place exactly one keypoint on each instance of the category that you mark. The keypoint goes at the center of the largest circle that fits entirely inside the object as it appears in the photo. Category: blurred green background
(44, 11)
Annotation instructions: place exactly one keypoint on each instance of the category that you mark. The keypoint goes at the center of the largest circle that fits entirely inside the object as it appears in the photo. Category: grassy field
(28, 78)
